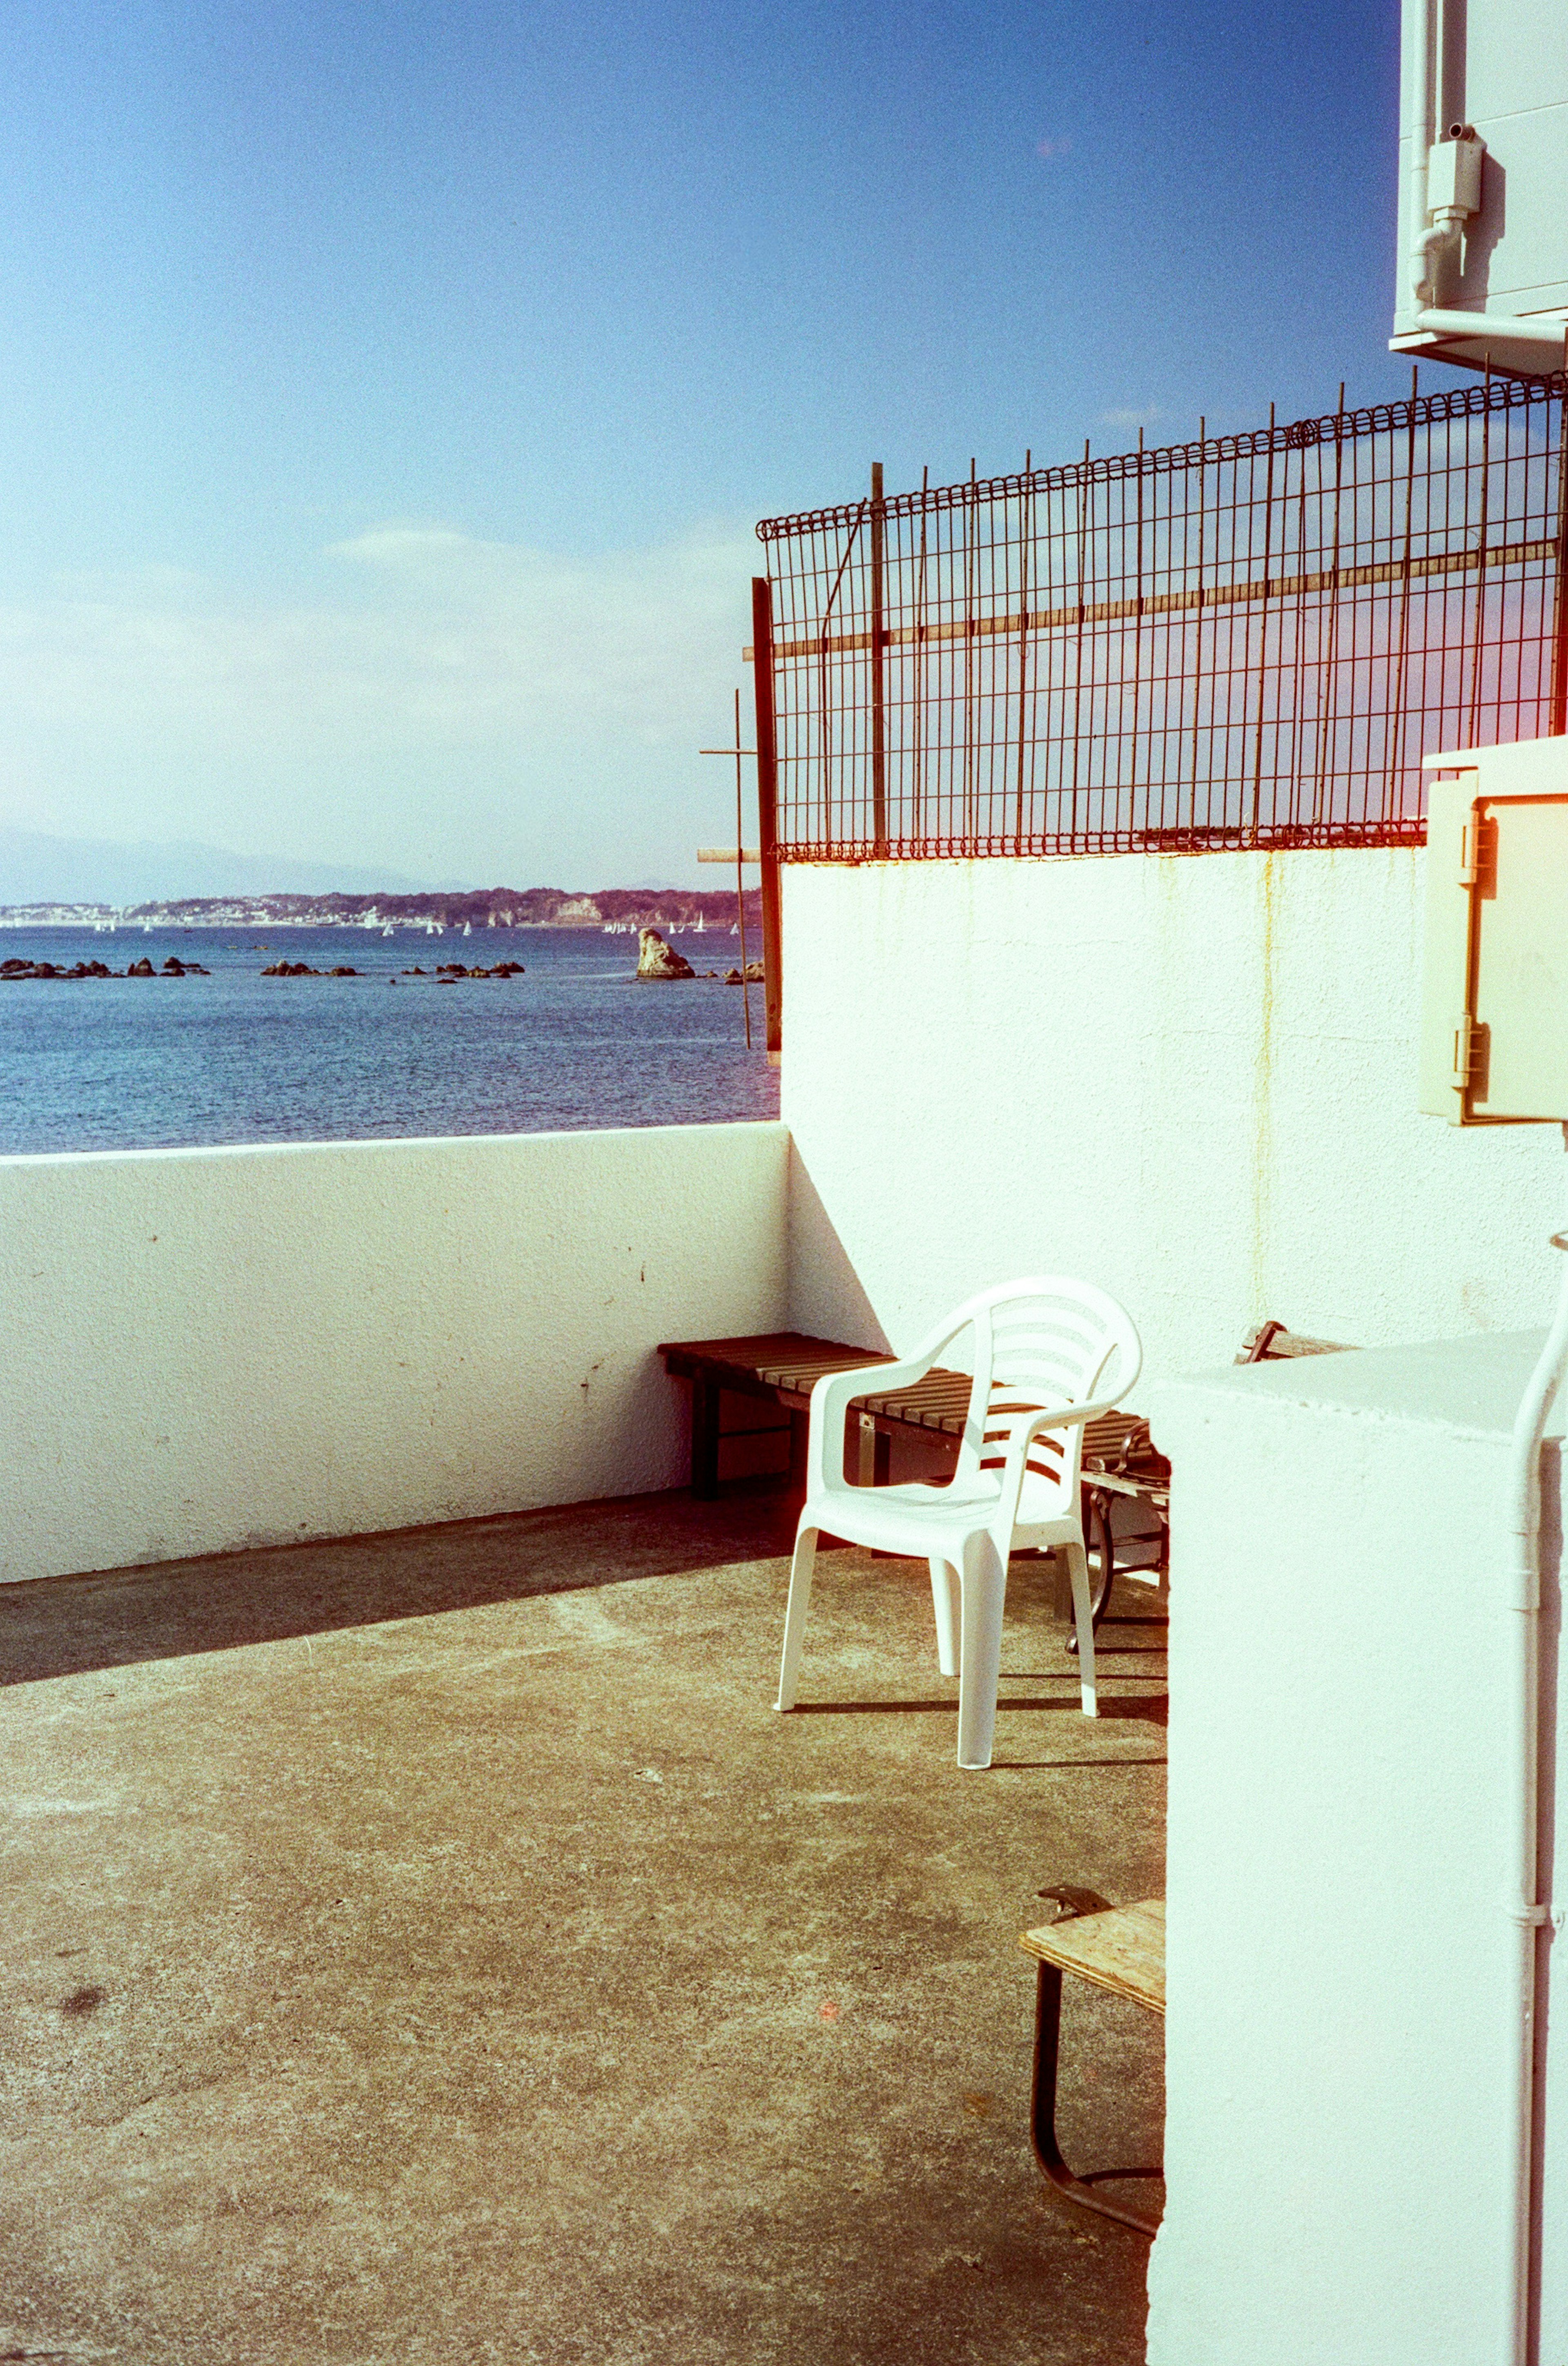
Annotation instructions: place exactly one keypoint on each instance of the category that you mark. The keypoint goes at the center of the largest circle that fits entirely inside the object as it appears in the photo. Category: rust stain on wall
(1264, 1080)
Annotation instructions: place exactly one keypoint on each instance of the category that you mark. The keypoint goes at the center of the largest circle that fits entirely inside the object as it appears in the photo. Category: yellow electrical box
(1495, 991)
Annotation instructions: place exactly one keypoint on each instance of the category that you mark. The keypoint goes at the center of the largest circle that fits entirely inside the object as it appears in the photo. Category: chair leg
(800, 1602)
(1084, 1618)
(945, 1600)
(983, 1588)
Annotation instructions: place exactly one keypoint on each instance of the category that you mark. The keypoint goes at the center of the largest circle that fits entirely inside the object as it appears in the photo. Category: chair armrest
(1049, 1418)
(835, 1392)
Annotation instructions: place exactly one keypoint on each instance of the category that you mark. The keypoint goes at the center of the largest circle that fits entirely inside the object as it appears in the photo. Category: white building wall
(1342, 1988)
(1190, 1079)
(205, 1350)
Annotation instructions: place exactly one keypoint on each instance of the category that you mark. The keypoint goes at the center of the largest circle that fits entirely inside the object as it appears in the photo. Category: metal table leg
(1043, 2113)
(1095, 1513)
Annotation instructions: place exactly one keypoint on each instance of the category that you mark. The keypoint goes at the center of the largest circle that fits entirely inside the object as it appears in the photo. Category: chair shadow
(1151, 1708)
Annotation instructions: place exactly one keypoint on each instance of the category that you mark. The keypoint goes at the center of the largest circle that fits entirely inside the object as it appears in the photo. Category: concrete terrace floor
(431, 1948)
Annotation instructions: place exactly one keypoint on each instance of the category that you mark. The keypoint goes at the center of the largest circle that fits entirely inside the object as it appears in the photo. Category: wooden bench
(781, 1367)
(1121, 1949)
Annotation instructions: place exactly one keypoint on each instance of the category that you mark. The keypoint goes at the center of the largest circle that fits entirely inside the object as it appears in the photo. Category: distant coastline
(618, 908)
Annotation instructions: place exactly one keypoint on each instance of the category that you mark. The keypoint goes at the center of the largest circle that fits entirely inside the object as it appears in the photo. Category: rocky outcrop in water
(303, 969)
(19, 969)
(753, 975)
(658, 961)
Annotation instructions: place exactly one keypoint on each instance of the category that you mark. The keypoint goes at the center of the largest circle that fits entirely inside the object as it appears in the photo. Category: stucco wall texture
(1343, 1965)
(202, 1350)
(1192, 1080)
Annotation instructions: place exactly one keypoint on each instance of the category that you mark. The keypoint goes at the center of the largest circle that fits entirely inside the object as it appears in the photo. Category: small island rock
(657, 960)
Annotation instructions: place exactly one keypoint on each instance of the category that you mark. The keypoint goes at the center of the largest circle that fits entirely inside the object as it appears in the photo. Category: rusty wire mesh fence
(1251, 640)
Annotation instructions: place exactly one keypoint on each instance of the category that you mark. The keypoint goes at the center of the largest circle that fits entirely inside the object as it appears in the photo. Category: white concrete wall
(1343, 1992)
(1190, 1079)
(207, 1349)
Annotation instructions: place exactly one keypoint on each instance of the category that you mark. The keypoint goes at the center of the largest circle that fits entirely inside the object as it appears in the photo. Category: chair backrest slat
(1044, 1341)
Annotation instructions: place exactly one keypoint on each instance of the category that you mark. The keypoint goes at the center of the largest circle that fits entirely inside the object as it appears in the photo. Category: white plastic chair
(1049, 1355)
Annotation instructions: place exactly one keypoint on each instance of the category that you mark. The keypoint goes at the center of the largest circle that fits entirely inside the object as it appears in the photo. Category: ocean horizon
(235, 1057)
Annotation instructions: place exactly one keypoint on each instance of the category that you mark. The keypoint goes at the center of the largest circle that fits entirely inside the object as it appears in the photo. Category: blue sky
(387, 392)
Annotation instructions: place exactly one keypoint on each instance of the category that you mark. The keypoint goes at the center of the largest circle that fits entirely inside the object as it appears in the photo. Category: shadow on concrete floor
(60, 1626)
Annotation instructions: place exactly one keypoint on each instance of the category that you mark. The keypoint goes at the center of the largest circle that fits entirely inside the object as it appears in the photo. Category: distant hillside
(39, 869)
(522, 907)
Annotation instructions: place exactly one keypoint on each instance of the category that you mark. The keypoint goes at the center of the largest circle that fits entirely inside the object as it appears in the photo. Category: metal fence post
(879, 687)
(767, 809)
(1557, 711)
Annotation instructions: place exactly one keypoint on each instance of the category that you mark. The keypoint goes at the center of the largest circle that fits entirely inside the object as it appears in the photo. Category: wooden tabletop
(1122, 1950)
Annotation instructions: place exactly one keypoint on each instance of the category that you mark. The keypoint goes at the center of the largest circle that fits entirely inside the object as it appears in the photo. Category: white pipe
(1419, 128)
(1425, 238)
(1519, 329)
(1445, 233)
(1524, 1907)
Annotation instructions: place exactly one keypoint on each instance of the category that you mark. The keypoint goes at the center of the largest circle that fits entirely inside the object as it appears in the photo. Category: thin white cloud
(397, 546)
(1130, 415)
(454, 701)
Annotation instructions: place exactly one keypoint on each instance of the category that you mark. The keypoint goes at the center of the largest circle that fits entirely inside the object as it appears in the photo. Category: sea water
(135, 1063)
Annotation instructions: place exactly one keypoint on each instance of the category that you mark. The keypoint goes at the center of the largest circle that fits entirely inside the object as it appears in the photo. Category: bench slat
(786, 1366)
(1121, 1949)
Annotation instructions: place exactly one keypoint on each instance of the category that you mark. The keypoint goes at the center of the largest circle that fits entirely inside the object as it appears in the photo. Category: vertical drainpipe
(1420, 16)
(1523, 1902)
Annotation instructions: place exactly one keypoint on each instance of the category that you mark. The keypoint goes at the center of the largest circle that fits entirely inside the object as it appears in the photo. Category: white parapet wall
(209, 1349)
(1192, 1079)
(1343, 1992)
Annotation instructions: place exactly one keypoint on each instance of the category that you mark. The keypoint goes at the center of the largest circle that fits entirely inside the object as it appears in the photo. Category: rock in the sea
(447, 972)
(144, 968)
(752, 975)
(345, 973)
(656, 960)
